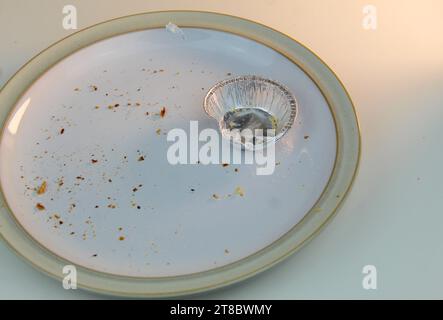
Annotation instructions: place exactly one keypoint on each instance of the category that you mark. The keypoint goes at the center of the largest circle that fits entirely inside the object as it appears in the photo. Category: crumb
(225, 165)
(77, 89)
(239, 191)
(215, 196)
(42, 188)
(236, 169)
(226, 251)
(138, 104)
(94, 88)
(97, 107)
(192, 189)
(62, 130)
(306, 137)
(163, 112)
(147, 113)
(94, 255)
(94, 160)
(121, 238)
(141, 158)
(158, 131)
(40, 206)
(228, 74)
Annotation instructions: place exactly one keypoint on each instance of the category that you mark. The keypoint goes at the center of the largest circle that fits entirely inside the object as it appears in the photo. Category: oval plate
(84, 116)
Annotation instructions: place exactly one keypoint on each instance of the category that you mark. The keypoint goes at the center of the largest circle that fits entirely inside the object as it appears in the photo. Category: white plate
(83, 126)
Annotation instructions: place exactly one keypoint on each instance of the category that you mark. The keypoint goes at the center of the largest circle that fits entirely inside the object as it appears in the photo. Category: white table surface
(393, 217)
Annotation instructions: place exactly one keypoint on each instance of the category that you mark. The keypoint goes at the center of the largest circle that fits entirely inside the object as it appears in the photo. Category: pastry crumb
(239, 191)
(42, 188)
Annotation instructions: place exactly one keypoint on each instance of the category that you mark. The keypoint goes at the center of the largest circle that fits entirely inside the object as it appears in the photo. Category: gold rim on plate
(340, 181)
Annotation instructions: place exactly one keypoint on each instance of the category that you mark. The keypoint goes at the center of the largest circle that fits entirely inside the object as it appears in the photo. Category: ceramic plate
(84, 171)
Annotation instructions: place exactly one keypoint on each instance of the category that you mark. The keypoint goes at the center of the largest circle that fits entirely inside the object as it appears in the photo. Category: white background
(393, 217)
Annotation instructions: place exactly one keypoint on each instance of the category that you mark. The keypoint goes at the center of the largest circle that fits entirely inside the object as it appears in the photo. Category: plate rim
(338, 186)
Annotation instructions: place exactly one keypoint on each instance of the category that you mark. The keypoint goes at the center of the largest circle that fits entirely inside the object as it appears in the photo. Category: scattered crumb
(94, 88)
(121, 238)
(141, 158)
(239, 191)
(62, 130)
(40, 206)
(94, 160)
(225, 165)
(42, 188)
(306, 137)
(162, 112)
